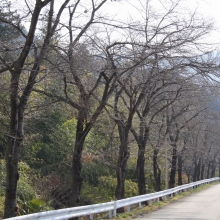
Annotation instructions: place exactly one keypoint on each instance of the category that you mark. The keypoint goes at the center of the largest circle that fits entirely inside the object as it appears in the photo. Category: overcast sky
(124, 9)
(209, 9)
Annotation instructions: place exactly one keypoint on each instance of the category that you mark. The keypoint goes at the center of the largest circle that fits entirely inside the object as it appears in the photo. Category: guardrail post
(129, 208)
(139, 205)
(158, 199)
(115, 208)
(165, 198)
(171, 195)
(150, 202)
(110, 214)
(91, 217)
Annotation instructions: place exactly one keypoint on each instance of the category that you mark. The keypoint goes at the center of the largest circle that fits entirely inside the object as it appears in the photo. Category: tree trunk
(202, 171)
(141, 140)
(198, 170)
(12, 177)
(12, 156)
(121, 173)
(173, 166)
(76, 161)
(157, 171)
(213, 170)
(219, 169)
(208, 170)
(122, 164)
(174, 137)
(195, 172)
(15, 136)
(15, 140)
(140, 171)
(188, 177)
(180, 168)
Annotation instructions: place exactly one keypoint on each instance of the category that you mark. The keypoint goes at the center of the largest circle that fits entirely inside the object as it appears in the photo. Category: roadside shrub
(33, 206)
(2, 199)
(105, 191)
(27, 200)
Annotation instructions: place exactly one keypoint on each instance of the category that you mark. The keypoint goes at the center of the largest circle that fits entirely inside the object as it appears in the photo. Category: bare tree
(159, 87)
(167, 43)
(19, 97)
(88, 68)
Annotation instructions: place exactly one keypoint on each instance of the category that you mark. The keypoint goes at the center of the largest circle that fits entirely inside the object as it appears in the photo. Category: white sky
(209, 9)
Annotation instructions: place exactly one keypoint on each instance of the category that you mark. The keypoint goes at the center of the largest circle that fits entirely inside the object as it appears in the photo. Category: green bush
(2, 177)
(92, 171)
(2, 199)
(33, 206)
(105, 191)
(25, 191)
(108, 183)
(26, 197)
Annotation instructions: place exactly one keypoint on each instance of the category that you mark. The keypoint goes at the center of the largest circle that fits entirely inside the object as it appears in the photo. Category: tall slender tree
(19, 94)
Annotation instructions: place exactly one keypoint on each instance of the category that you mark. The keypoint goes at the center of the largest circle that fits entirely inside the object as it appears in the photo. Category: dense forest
(96, 107)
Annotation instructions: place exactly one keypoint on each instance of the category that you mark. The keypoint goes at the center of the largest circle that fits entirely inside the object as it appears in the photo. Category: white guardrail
(110, 207)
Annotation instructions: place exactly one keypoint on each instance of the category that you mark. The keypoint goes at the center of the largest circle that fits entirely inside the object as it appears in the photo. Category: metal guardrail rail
(111, 207)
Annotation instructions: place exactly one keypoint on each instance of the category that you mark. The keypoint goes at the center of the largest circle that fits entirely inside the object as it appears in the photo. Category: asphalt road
(203, 205)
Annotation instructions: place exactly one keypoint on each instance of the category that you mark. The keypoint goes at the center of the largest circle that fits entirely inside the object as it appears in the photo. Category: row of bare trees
(152, 77)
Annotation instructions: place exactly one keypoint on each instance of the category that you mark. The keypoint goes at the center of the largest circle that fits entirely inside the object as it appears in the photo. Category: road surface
(204, 205)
